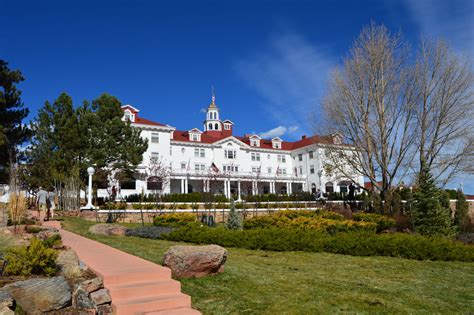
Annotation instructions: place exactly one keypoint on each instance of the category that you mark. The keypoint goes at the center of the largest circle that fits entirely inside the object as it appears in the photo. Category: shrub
(182, 206)
(325, 221)
(234, 220)
(33, 229)
(174, 219)
(461, 216)
(149, 232)
(351, 243)
(34, 259)
(383, 222)
(52, 241)
(137, 206)
(429, 215)
(149, 206)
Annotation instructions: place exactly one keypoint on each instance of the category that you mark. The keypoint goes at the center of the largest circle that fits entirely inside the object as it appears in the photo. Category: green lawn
(261, 282)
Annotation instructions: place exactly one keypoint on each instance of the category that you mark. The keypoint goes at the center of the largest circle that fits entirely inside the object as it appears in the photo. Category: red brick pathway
(136, 286)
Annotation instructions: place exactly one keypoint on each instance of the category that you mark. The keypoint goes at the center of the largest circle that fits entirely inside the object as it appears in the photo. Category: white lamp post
(90, 171)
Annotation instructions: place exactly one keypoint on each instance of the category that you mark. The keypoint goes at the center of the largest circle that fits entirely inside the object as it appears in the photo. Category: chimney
(303, 137)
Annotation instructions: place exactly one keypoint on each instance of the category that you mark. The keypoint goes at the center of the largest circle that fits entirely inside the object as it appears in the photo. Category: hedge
(351, 243)
(324, 221)
(383, 222)
(174, 219)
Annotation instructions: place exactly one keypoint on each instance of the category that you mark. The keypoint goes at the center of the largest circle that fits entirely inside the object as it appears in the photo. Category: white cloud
(450, 20)
(278, 132)
(290, 76)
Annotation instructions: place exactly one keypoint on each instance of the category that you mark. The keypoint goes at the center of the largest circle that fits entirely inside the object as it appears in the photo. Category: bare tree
(444, 111)
(370, 101)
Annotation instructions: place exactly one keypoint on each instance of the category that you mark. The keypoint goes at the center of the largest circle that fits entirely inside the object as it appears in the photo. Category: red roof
(215, 136)
(143, 121)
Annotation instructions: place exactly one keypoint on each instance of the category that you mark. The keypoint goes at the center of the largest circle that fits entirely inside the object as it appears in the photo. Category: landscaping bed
(260, 282)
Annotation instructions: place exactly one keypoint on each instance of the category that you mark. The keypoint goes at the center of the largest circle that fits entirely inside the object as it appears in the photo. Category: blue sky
(268, 60)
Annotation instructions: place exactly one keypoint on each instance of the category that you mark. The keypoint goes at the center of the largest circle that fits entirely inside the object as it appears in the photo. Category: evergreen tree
(461, 217)
(67, 140)
(12, 132)
(429, 217)
(234, 221)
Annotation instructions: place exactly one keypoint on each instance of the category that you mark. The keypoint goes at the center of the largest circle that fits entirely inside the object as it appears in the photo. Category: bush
(137, 206)
(234, 221)
(351, 243)
(174, 219)
(383, 222)
(35, 259)
(52, 241)
(149, 232)
(33, 229)
(324, 221)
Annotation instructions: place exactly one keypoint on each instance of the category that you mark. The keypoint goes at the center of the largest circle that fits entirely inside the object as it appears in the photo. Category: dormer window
(195, 135)
(255, 141)
(227, 126)
(128, 116)
(337, 138)
(276, 143)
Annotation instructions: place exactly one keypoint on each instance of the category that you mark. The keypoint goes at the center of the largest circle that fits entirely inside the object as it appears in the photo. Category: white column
(288, 192)
(238, 190)
(181, 181)
(185, 185)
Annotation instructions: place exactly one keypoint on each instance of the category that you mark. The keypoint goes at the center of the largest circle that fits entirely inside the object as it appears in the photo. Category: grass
(262, 282)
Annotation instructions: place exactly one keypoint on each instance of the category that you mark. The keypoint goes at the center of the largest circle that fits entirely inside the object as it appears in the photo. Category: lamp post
(89, 205)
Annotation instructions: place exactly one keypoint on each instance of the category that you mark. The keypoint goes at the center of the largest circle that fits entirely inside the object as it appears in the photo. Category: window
(216, 126)
(254, 142)
(329, 187)
(311, 169)
(227, 126)
(255, 169)
(183, 166)
(183, 150)
(311, 154)
(230, 154)
(154, 157)
(281, 158)
(155, 137)
(255, 156)
(276, 145)
(199, 168)
(281, 171)
(128, 184)
(209, 127)
(195, 137)
(301, 170)
(269, 170)
(231, 168)
(154, 183)
(127, 116)
(199, 152)
(300, 157)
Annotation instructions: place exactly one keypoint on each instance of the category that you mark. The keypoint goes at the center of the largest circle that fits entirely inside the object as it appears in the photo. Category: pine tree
(12, 111)
(429, 217)
(461, 217)
(234, 222)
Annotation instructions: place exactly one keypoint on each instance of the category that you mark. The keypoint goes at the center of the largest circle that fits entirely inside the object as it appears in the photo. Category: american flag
(214, 168)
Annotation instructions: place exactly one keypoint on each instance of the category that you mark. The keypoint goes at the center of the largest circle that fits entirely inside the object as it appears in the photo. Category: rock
(107, 229)
(69, 263)
(83, 266)
(6, 311)
(81, 300)
(100, 297)
(40, 294)
(46, 233)
(105, 309)
(92, 285)
(7, 303)
(195, 261)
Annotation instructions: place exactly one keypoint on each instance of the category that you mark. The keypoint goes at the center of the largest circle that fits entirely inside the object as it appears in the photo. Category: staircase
(137, 286)
(147, 292)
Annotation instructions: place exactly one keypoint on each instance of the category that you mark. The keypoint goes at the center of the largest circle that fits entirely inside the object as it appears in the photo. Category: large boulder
(195, 261)
(7, 303)
(69, 263)
(108, 229)
(40, 294)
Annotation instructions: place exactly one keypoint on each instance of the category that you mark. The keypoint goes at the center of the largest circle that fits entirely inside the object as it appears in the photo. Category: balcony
(179, 173)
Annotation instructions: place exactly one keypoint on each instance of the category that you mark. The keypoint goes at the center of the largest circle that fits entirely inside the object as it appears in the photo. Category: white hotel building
(215, 160)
